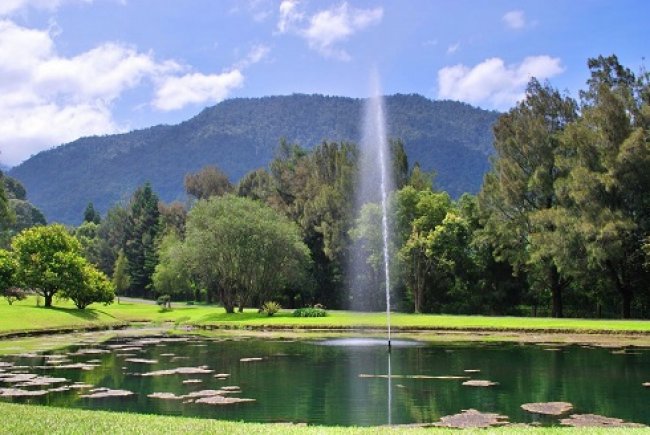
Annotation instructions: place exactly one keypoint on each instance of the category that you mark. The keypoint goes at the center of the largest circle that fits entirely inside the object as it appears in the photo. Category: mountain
(242, 134)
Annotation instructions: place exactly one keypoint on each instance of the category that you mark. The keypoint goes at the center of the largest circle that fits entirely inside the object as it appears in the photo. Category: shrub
(271, 308)
(13, 294)
(165, 302)
(309, 312)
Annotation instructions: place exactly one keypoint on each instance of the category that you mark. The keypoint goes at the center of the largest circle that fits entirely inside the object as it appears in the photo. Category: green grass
(32, 419)
(26, 316)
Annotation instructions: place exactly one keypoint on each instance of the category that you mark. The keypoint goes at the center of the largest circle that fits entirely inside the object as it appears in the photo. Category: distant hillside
(240, 135)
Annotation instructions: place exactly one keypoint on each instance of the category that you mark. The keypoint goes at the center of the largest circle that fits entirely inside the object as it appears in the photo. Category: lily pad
(479, 383)
(593, 420)
(548, 408)
(471, 418)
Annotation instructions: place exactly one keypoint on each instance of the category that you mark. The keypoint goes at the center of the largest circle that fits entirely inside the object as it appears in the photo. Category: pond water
(338, 383)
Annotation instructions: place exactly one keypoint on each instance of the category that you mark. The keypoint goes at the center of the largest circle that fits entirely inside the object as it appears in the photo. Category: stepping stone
(221, 400)
(192, 381)
(472, 371)
(222, 375)
(141, 361)
(593, 420)
(471, 418)
(548, 408)
(165, 396)
(180, 371)
(99, 393)
(250, 359)
(479, 383)
(17, 392)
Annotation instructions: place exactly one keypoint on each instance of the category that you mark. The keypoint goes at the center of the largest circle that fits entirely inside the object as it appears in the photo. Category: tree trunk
(48, 299)
(556, 292)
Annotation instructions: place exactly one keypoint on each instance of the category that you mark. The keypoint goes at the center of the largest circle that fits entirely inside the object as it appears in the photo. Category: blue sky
(72, 68)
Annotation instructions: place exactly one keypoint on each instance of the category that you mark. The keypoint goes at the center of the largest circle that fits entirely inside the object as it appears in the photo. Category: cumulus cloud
(493, 83)
(515, 19)
(49, 99)
(177, 92)
(326, 29)
(8, 7)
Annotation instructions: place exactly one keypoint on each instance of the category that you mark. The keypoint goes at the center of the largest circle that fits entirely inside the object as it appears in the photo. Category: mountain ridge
(242, 134)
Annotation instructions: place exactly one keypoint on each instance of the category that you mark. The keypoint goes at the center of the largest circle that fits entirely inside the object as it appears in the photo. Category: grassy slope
(32, 419)
(25, 316)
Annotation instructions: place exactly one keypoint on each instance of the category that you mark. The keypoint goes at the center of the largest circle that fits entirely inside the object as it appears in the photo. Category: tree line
(560, 226)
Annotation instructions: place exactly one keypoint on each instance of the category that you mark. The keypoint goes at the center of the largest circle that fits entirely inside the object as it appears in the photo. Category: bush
(309, 312)
(13, 294)
(271, 308)
(165, 302)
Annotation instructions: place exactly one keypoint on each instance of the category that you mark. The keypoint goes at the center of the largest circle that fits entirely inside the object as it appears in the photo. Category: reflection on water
(321, 384)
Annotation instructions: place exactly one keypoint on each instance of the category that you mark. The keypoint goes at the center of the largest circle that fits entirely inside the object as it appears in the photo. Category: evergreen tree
(141, 237)
(91, 215)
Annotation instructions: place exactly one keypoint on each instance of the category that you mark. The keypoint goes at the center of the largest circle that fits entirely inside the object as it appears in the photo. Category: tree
(6, 217)
(519, 191)
(7, 272)
(121, 280)
(91, 215)
(172, 276)
(111, 235)
(141, 236)
(608, 178)
(48, 259)
(253, 256)
(86, 285)
(172, 218)
(209, 181)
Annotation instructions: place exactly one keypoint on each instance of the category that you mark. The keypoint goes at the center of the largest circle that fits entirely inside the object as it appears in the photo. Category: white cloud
(177, 92)
(492, 82)
(8, 7)
(453, 48)
(255, 55)
(324, 30)
(48, 99)
(289, 15)
(515, 19)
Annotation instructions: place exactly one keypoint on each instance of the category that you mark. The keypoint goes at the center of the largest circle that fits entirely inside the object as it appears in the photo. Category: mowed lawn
(26, 316)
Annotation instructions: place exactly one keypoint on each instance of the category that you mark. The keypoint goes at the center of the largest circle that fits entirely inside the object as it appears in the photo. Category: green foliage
(164, 302)
(209, 181)
(8, 268)
(309, 312)
(172, 276)
(255, 255)
(48, 260)
(140, 239)
(92, 215)
(270, 308)
(93, 286)
(13, 294)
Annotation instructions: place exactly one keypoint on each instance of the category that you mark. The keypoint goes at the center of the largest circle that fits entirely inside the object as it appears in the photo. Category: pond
(330, 382)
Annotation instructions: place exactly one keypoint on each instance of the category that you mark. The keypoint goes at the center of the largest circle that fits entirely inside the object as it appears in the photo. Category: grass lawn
(25, 316)
(32, 419)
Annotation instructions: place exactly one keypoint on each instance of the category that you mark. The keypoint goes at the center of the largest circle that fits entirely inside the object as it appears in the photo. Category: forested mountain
(240, 135)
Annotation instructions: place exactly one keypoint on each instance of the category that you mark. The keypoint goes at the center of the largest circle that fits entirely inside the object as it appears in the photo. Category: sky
(73, 68)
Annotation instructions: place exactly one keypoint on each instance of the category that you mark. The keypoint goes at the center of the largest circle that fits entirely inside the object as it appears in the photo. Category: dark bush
(309, 312)
(13, 294)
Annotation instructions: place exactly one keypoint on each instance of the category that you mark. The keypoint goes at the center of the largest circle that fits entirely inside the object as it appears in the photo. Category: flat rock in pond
(165, 396)
(59, 389)
(646, 384)
(192, 381)
(90, 352)
(167, 354)
(548, 408)
(100, 393)
(202, 393)
(593, 420)
(6, 365)
(222, 375)
(221, 400)
(142, 361)
(479, 383)
(250, 359)
(471, 418)
(78, 366)
(41, 381)
(15, 378)
(17, 392)
(180, 371)
(81, 386)
(472, 371)
(230, 388)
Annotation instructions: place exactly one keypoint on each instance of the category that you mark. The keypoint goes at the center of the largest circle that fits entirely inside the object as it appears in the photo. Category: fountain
(375, 182)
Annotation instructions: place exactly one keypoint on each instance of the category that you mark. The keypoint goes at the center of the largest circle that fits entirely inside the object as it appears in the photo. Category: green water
(309, 382)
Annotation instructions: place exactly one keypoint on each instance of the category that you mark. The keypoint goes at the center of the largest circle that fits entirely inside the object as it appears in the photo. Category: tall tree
(610, 176)
(120, 278)
(209, 181)
(521, 185)
(92, 215)
(141, 237)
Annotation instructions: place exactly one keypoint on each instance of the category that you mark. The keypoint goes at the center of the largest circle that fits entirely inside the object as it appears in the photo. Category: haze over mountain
(240, 135)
